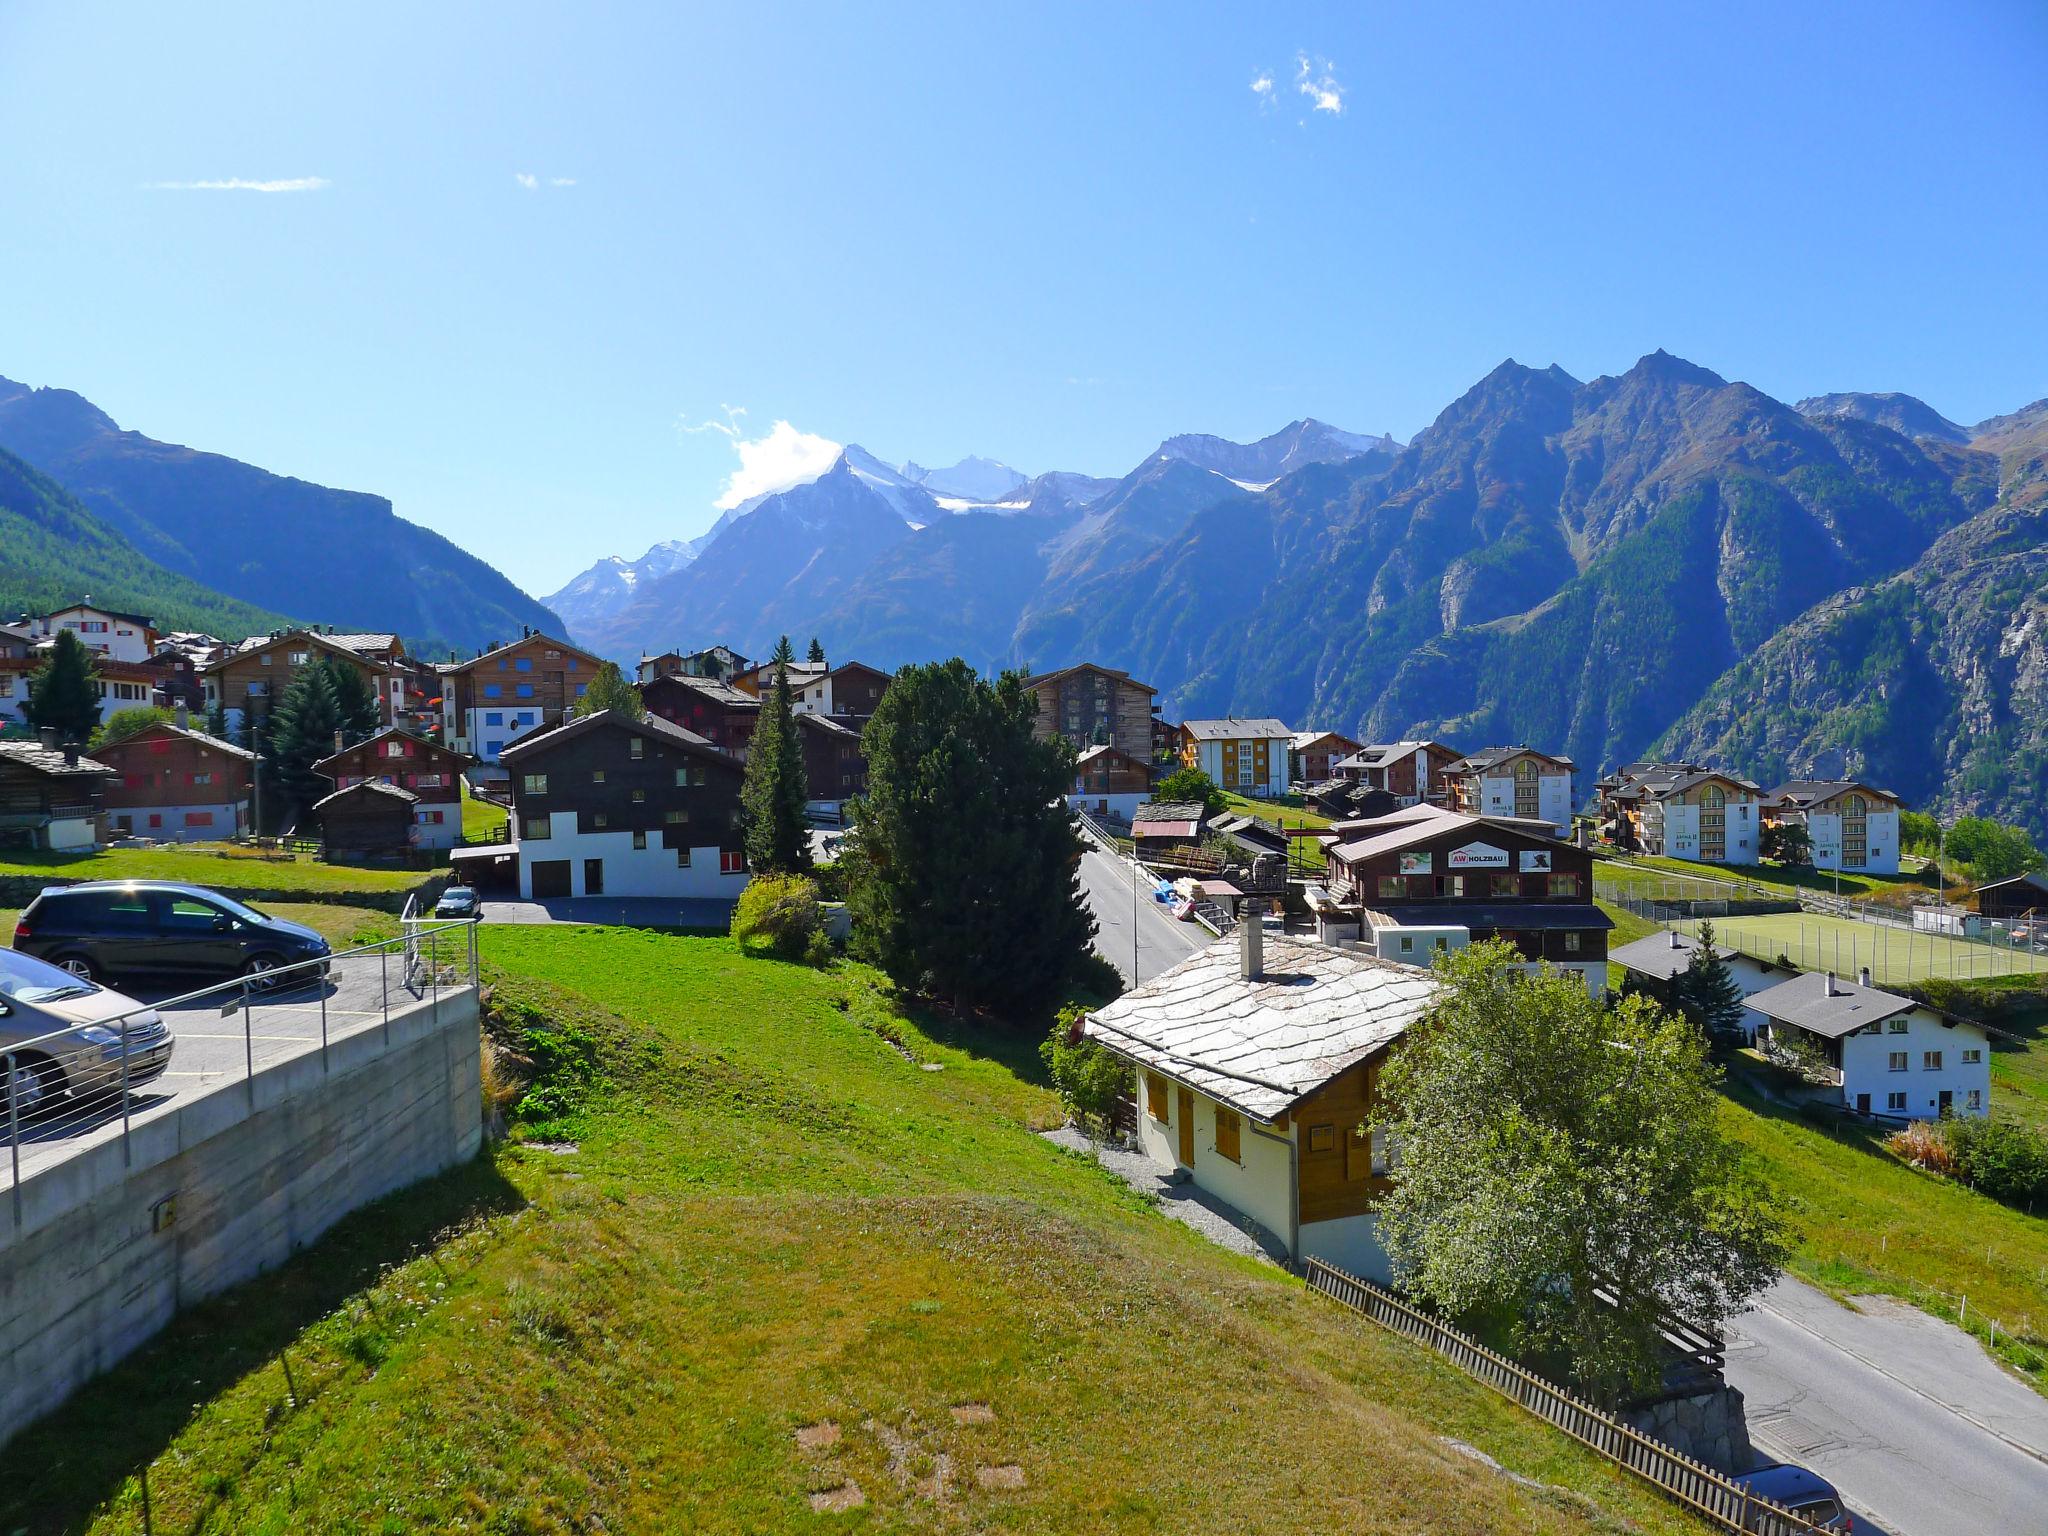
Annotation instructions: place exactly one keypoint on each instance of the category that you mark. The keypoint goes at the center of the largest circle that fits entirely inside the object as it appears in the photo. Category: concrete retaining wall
(98, 1262)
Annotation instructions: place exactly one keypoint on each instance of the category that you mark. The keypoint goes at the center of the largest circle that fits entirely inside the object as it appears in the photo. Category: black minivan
(149, 927)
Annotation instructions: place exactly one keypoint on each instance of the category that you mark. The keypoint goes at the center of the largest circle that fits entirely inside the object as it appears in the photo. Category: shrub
(1087, 1078)
(1924, 1145)
(778, 915)
(1097, 977)
(2008, 1162)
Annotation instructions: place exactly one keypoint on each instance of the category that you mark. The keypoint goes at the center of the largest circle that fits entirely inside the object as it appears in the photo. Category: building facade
(1413, 772)
(1876, 1052)
(606, 806)
(1247, 756)
(1852, 825)
(129, 637)
(1313, 755)
(723, 715)
(1110, 783)
(1089, 706)
(247, 680)
(1513, 781)
(178, 785)
(431, 772)
(51, 796)
(503, 696)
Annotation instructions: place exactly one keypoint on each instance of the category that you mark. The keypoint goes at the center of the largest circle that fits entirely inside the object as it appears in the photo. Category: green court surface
(1895, 955)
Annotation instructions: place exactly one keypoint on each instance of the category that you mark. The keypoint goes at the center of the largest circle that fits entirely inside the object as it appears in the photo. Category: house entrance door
(1186, 1111)
(1948, 1101)
(1862, 1103)
(593, 877)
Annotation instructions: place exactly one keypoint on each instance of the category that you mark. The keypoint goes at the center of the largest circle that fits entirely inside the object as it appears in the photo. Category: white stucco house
(1890, 1056)
(1852, 825)
(1257, 1063)
(1658, 961)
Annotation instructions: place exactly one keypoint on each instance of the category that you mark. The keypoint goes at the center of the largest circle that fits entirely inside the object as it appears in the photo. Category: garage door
(550, 878)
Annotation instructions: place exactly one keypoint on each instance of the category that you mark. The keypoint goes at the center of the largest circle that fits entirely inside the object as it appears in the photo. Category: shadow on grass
(65, 1467)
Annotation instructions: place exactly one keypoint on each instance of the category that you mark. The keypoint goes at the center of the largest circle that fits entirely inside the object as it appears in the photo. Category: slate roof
(1418, 824)
(1805, 1002)
(1260, 1046)
(1685, 781)
(369, 787)
(1486, 757)
(652, 726)
(54, 765)
(1662, 955)
(1532, 916)
(711, 688)
(1800, 793)
(166, 728)
(1237, 728)
(377, 736)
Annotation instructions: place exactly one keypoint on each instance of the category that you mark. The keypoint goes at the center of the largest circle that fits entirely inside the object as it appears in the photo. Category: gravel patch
(1182, 1200)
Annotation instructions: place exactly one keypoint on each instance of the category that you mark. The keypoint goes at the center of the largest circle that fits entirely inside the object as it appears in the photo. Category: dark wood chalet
(178, 785)
(722, 714)
(408, 761)
(50, 796)
(607, 806)
(370, 822)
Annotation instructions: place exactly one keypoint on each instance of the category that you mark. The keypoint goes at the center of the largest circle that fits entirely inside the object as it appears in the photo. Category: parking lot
(233, 1031)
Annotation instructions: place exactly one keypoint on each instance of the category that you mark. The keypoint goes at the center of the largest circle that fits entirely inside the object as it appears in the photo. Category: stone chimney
(46, 738)
(183, 718)
(70, 754)
(1832, 989)
(1251, 942)
(1863, 977)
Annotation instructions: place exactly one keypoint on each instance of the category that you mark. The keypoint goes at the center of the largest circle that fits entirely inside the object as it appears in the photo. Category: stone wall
(1708, 1426)
(220, 1186)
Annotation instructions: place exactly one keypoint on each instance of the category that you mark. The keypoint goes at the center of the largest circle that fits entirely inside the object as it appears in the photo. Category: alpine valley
(1662, 561)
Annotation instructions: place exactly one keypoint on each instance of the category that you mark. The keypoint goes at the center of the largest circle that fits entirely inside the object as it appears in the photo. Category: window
(1572, 943)
(1407, 944)
(639, 840)
(1896, 1026)
(525, 690)
(582, 689)
(534, 826)
(1227, 1135)
(1930, 1061)
(430, 818)
(300, 658)
(1972, 1058)
(535, 783)
(637, 747)
(495, 717)
(1974, 1101)
(682, 778)
(1895, 1101)
(1393, 887)
(639, 796)
(523, 664)
(682, 858)
(676, 818)
(1322, 1138)
(599, 819)
(1155, 1097)
(493, 691)
(1563, 887)
(264, 660)
(597, 775)
(394, 749)
(1896, 1061)
(202, 778)
(493, 748)
(199, 818)
(731, 862)
(427, 781)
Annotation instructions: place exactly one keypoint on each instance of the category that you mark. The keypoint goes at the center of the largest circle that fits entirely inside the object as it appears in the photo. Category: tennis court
(1895, 955)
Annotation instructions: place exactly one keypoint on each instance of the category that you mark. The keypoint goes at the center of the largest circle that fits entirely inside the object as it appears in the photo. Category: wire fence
(1894, 954)
(89, 1081)
(1697, 1486)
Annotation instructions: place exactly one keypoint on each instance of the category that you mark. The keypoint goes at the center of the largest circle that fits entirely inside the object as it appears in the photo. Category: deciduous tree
(1548, 1148)
(1190, 786)
(124, 723)
(772, 797)
(609, 689)
(963, 866)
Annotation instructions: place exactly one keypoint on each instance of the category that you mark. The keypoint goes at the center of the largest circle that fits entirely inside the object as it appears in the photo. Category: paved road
(1106, 885)
(1906, 1415)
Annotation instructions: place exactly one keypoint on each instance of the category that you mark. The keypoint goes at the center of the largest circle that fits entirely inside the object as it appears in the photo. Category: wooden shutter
(1227, 1142)
(1155, 1097)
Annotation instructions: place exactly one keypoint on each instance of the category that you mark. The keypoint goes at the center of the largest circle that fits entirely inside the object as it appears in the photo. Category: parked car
(60, 1033)
(459, 901)
(1806, 1494)
(155, 928)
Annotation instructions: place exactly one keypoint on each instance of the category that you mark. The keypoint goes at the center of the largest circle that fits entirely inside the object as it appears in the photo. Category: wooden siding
(1335, 1161)
(162, 768)
(1090, 703)
(634, 794)
(553, 669)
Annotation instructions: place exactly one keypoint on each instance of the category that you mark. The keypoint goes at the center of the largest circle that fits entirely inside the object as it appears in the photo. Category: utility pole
(256, 770)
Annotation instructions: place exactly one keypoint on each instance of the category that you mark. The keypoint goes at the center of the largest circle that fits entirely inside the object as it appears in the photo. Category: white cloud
(1262, 86)
(561, 181)
(1317, 80)
(237, 184)
(775, 461)
(527, 180)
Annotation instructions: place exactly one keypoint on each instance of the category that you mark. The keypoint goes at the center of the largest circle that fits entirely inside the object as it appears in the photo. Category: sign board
(1535, 861)
(1415, 863)
(1477, 856)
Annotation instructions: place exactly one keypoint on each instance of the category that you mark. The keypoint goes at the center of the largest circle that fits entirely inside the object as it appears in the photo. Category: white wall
(1880, 841)
(229, 819)
(1121, 807)
(1553, 798)
(628, 871)
(1866, 1067)
(515, 724)
(1261, 1187)
(1352, 1243)
(1681, 838)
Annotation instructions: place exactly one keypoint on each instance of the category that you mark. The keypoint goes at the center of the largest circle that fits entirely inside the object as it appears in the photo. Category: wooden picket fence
(1692, 1483)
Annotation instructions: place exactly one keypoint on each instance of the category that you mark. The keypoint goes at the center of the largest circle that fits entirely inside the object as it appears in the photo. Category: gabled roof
(564, 646)
(1237, 728)
(1663, 955)
(167, 728)
(1827, 1006)
(2036, 878)
(256, 643)
(368, 787)
(653, 727)
(53, 764)
(1686, 781)
(1359, 840)
(89, 606)
(1262, 1045)
(1489, 757)
(831, 727)
(717, 691)
(390, 730)
(1303, 740)
(1380, 754)
(1801, 793)
(1037, 679)
(1090, 754)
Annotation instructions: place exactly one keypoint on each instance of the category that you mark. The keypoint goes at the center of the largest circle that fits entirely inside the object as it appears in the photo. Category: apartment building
(510, 691)
(108, 634)
(1087, 705)
(1413, 772)
(1682, 811)
(1852, 825)
(1247, 756)
(1313, 755)
(246, 680)
(1517, 782)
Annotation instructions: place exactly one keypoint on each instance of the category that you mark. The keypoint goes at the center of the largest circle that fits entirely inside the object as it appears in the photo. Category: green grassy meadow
(737, 1205)
(209, 864)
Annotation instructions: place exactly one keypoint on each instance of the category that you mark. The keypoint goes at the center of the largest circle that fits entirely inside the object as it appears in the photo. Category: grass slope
(239, 869)
(773, 1218)
(53, 551)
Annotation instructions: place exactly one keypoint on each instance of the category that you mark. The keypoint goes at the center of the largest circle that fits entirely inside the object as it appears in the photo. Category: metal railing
(1697, 1486)
(66, 1085)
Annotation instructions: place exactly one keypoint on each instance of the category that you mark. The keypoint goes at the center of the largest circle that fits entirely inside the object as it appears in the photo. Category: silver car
(62, 1034)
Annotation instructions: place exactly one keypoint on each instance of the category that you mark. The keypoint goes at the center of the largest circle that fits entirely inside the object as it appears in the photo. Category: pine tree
(778, 836)
(1709, 993)
(217, 726)
(817, 651)
(355, 702)
(609, 690)
(963, 867)
(64, 693)
(300, 733)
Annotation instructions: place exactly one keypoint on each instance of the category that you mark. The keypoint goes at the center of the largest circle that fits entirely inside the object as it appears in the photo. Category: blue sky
(536, 248)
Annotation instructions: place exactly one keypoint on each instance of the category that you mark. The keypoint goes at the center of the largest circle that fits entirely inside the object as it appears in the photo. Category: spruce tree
(1709, 993)
(778, 836)
(355, 702)
(609, 690)
(64, 693)
(963, 867)
(300, 733)
(817, 651)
